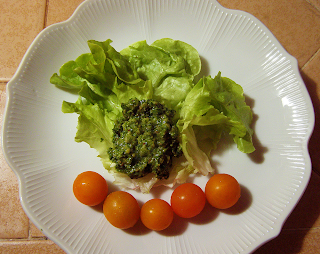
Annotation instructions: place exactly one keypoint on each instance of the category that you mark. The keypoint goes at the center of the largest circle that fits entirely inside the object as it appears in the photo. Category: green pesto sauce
(145, 139)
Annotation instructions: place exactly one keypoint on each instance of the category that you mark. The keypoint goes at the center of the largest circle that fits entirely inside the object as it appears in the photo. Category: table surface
(295, 23)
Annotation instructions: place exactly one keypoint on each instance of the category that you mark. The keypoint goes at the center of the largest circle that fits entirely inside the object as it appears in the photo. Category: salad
(165, 72)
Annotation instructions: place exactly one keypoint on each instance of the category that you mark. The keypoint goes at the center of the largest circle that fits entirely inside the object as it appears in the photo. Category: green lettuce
(214, 106)
(164, 71)
(169, 64)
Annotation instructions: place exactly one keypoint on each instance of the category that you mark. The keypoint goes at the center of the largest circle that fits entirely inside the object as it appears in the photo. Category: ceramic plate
(38, 139)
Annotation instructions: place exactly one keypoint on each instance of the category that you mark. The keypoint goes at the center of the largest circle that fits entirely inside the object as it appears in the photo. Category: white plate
(38, 139)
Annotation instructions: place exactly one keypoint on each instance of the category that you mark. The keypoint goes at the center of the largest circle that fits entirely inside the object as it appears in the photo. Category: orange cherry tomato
(121, 209)
(156, 214)
(222, 191)
(188, 200)
(90, 188)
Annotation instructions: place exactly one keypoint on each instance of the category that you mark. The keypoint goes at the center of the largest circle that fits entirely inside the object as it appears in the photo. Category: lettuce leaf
(214, 106)
(170, 65)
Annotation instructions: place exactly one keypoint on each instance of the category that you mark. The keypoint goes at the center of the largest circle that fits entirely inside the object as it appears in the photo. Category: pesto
(145, 138)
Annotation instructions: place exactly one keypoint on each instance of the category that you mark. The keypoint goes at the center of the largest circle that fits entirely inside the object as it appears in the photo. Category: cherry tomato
(188, 200)
(222, 191)
(90, 188)
(156, 214)
(121, 209)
